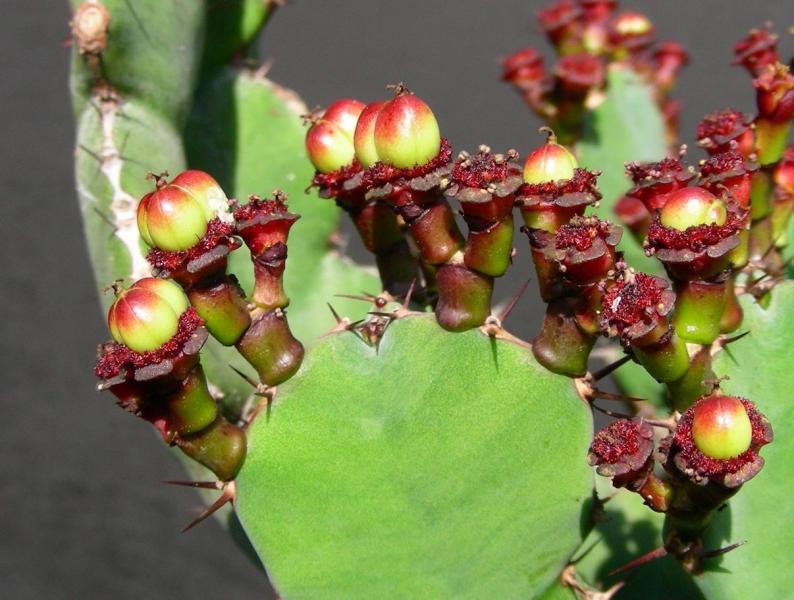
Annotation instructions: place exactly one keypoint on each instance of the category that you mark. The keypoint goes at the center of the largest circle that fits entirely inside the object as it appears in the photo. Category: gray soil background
(82, 511)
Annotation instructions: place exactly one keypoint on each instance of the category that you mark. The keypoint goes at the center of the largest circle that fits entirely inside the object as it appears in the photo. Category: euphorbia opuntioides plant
(406, 444)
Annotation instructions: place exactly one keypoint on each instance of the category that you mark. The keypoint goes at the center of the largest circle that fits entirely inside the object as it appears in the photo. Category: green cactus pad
(626, 126)
(628, 530)
(759, 367)
(117, 145)
(152, 54)
(437, 465)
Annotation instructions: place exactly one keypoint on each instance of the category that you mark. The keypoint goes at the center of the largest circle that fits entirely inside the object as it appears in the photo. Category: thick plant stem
(733, 314)
(684, 391)
(464, 297)
(698, 310)
(270, 347)
(221, 448)
(561, 345)
(381, 234)
(771, 140)
(220, 301)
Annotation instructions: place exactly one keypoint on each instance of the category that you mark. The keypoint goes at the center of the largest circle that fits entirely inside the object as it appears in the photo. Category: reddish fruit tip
(550, 162)
(344, 114)
(406, 132)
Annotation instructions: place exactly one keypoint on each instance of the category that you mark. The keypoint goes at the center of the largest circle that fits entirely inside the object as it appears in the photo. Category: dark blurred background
(82, 511)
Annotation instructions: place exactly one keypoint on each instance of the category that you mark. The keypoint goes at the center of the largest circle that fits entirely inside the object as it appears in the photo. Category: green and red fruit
(550, 162)
(146, 315)
(406, 131)
(693, 206)
(721, 428)
(632, 31)
(328, 146)
(364, 134)
(204, 188)
(171, 218)
(344, 114)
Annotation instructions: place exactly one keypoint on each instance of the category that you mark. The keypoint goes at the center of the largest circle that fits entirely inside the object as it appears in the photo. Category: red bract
(655, 181)
(728, 171)
(596, 11)
(264, 223)
(756, 51)
(775, 93)
(634, 301)
(524, 69)
(726, 130)
(669, 59)
(623, 451)
(559, 21)
(579, 73)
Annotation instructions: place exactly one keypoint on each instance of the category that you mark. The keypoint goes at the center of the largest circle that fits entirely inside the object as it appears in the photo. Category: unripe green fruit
(172, 219)
(690, 207)
(328, 147)
(550, 162)
(406, 132)
(364, 135)
(146, 315)
(721, 427)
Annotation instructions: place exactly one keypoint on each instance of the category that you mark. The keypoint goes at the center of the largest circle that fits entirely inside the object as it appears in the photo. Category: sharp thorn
(409, 294)
(611, 368)
(725, 550)
(617, 397)
(735, 338)
(611, 413)
(638, 562)
(206, 485)
(365, 298)
(254, 384)
(336, 314)
(227, 495)
(513, 301)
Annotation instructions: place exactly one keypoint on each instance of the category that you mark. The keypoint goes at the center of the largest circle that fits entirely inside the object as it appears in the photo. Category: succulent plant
(405, 443)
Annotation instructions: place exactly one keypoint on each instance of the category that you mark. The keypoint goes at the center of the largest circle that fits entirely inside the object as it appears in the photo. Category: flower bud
(693, 206)
(146, 315)
(775, 93)
(578, 73)
(669, 59)
(632, 31)
(549, 162)
(560, 22)
(406, 131)
(756, 51)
